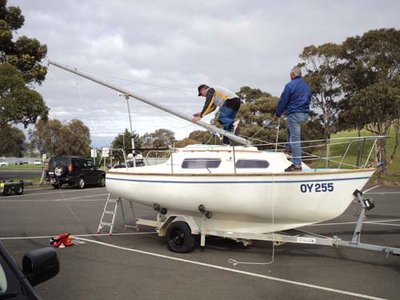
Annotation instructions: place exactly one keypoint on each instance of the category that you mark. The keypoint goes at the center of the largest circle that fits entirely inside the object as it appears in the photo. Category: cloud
(162, 50)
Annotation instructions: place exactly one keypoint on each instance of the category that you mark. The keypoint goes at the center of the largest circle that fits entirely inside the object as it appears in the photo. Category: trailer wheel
(180, 238)
(19, 189)
(7, 191)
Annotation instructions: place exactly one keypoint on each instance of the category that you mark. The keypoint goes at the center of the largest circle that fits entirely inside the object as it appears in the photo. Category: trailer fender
(192, 223)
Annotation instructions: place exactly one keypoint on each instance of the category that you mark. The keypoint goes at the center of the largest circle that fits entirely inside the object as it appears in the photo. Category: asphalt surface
(22, 174)
(138, 265)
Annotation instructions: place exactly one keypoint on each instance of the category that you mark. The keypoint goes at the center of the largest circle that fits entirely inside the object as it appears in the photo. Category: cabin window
(201, 163)
(252, 163)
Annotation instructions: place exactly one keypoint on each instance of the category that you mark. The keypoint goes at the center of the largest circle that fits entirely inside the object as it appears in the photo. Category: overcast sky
(163, 50)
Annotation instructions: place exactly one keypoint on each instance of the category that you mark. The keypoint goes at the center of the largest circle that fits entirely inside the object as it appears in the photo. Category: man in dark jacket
(228, 103)
(295, 105)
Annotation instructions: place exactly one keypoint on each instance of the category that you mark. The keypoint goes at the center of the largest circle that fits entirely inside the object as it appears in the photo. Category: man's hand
(196, 117)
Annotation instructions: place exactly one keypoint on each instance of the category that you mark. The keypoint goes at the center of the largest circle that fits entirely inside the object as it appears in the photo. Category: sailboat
(231, 191)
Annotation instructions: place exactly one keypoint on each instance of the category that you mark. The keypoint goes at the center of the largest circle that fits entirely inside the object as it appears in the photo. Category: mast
(128, 94)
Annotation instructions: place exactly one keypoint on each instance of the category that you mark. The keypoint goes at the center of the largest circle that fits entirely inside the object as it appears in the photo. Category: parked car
(75, 171)
(37, 266)
(139, 163)
(37, 162)
(3, 164)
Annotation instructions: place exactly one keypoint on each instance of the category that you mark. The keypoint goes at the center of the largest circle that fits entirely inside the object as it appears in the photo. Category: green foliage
(54, 138)
(248, 94)
(24, 53)
(203, 137)
(322, 65)
(161, 138)
(257, 112)
(356, 83)
(18, 103)
(19, 66)
(12, 141)
(124, 141)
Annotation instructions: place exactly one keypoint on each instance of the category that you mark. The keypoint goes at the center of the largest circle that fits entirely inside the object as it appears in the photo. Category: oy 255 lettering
(317, 187)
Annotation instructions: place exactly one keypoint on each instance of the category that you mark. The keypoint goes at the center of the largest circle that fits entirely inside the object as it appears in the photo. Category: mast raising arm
(127, 93)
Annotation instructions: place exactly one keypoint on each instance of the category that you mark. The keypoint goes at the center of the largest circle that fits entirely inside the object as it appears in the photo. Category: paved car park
(138, 265)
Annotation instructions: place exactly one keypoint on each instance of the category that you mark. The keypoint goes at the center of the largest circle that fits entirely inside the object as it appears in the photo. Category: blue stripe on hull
(236, 182)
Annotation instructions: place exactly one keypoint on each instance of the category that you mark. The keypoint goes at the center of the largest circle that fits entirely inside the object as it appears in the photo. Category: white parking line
(313, 286)
(14, 200)
(282, 280)
(74, 235)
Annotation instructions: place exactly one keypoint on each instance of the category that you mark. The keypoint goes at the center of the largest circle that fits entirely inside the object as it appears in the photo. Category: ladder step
(105, 224)
(110, 208)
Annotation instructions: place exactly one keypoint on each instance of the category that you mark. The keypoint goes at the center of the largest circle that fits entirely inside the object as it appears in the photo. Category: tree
(18, 103)
(257, 117)
(12, 141)
(204, 137)
(19, 66)
(322, 66)
(75, 139)
(371, 82)
(24, 53)
(249, 95)
(161, 138)
(54, 138)
(124, 141)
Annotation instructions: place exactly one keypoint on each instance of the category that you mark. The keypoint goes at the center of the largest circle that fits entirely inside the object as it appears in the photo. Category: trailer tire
(180, 238)
(7, 191)
(19, 189)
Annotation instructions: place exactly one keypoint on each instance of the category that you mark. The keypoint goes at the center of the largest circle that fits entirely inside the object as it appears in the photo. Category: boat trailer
(180, 231)
(9, 187)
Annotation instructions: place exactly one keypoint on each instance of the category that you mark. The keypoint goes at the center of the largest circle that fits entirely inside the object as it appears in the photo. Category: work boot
(293, 168)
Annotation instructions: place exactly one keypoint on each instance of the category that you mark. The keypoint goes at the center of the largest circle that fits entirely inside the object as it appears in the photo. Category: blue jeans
(227, 117)
(293, 122)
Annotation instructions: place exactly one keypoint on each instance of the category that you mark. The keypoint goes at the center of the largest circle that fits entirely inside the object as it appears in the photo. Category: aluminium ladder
(109, 214)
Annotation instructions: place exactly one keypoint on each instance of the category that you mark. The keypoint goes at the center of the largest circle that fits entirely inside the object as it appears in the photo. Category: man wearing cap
(228, 103)
(295, 104)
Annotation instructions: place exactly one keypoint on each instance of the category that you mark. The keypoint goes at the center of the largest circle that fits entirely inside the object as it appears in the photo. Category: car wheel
(57, 185)
(180, 238)
(81, 183)
(102, 181)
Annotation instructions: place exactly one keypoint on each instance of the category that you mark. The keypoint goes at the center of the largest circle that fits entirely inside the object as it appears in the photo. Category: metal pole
(127, 93)
(132, 139)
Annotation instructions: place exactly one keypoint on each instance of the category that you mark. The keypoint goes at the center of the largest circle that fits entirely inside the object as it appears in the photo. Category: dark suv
(75, 171)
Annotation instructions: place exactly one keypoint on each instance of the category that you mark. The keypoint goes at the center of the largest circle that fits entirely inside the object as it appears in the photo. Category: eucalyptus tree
(371, 82)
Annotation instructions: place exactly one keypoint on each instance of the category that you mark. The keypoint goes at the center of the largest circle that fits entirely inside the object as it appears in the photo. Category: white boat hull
(256, 203)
